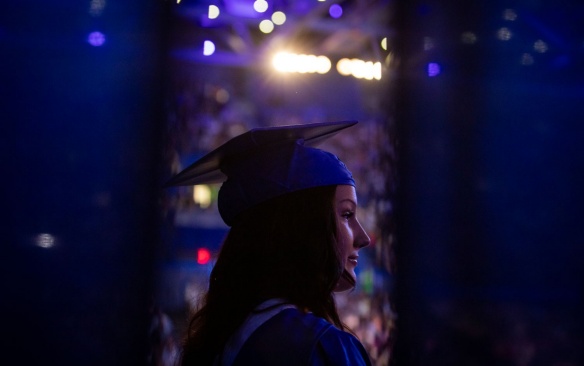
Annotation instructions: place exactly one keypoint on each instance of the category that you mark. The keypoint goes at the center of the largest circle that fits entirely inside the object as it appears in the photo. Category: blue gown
(294, 338)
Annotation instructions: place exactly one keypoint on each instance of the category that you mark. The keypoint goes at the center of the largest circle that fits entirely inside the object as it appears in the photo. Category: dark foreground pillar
(490, 105)
(80, 100)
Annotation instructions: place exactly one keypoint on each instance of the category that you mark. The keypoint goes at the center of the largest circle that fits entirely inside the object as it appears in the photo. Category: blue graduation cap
(265, 163)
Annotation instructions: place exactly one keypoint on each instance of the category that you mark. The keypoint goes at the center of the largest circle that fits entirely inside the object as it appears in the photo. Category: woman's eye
(348, 214)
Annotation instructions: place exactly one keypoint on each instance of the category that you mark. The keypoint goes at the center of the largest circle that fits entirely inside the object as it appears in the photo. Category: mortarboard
(265, 163)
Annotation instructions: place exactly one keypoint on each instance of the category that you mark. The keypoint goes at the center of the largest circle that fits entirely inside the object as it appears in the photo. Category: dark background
(490, 224)
(490, 268)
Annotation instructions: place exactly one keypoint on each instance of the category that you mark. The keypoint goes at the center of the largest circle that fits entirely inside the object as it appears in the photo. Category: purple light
(336, 11)
(433, 69)
(96, 39)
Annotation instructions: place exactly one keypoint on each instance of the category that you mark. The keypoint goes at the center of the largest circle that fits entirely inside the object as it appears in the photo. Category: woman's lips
(353, 259)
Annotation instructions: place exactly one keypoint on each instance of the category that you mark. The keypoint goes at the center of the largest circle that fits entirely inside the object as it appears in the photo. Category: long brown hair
(283, 248)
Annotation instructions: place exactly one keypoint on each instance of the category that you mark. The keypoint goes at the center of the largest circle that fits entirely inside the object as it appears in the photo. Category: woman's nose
(362, 239)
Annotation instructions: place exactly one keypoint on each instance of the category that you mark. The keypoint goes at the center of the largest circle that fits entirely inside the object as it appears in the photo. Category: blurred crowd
(370, 317)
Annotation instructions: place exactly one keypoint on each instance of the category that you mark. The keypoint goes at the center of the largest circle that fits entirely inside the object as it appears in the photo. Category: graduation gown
(294, 338)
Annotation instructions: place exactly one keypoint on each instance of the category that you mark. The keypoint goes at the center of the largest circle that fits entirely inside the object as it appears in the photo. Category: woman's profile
(293, 241)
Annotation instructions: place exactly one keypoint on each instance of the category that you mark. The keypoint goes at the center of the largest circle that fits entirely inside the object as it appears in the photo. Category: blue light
(96, 39)
(433, 69)
(335, 11)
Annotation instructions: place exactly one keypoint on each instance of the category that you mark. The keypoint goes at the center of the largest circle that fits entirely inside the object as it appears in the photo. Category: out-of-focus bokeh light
(96, 7)
(279, 18)
(45, 240)
(323, 64)
(306, 64)
(260, 6)
(213, 11)
(291, 62)
(428, 43)
(504, 34)
(377, 70)
(203, 255)
(468, 38)
(266, 26)
(208, 48)
(222, 96)
(202, 195)
(96, 39)
(540, 46)
(336, 11)
(344, 67)
(388, 59)
(527, 59)
(384, 43)
(359, 69)
(509, 14)
(433, 69)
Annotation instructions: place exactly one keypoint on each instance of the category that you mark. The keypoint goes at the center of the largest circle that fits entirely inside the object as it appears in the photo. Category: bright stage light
(278, 18)
(213, 11)
(281, 61)
(260, 6)
(344, 67)
(266, 26)
(290, 62)
(323, 64)
(202, 195)
(377, 71)
(360, 69)
(208, 48)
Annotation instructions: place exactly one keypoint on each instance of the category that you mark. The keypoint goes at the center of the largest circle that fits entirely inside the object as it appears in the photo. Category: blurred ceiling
(309, 29)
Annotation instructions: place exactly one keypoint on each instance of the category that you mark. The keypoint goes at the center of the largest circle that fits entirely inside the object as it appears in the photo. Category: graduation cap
(265, 163)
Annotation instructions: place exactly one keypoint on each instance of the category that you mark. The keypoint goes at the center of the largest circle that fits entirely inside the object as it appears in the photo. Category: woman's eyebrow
(348, 200)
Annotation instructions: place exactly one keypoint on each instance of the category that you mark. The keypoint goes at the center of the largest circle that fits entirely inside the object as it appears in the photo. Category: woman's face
(350, 234)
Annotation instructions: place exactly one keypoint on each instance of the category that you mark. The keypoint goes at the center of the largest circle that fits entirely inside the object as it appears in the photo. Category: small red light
(203, 256)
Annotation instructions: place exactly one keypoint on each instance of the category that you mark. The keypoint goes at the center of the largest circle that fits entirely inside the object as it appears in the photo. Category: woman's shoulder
(337, 347)
(293, 337)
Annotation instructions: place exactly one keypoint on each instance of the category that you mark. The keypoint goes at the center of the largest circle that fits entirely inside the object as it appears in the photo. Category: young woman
(294, 240)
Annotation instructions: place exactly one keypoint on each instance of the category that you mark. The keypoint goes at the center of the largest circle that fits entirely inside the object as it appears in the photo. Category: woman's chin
(346, 282)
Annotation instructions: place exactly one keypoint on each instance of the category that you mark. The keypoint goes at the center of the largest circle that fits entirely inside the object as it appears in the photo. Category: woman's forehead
(345, 193)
